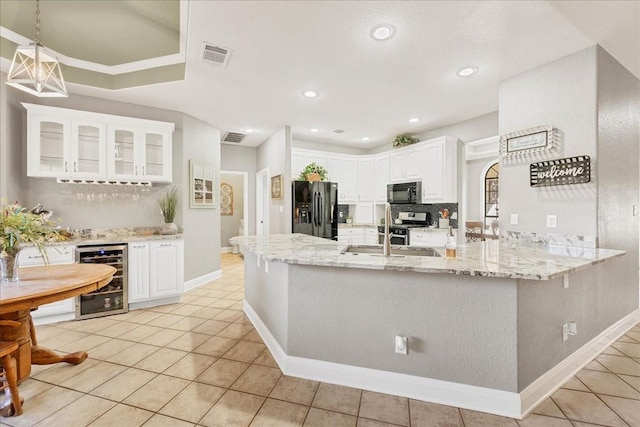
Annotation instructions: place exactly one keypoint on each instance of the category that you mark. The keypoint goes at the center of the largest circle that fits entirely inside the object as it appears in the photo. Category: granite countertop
(105, 236)
(344, 225)
(495, 258)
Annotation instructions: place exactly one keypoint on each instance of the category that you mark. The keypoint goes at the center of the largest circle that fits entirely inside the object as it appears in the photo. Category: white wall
(320, 146)
(242, 159)
(229, 223)
(563, 94)
(275, 153)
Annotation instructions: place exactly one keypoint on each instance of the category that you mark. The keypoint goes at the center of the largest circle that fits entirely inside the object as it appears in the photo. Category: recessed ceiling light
(366, 138)
(414, 119)
(248, 130)
(383, 32)
(310, 93)
(314, 130)
(467, 71)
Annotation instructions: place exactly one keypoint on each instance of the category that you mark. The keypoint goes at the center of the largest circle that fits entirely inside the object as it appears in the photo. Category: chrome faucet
(386, 243)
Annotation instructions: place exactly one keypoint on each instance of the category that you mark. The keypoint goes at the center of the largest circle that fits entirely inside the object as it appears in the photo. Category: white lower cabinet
(156, 270)
(63, 254)
(371, 236)
(351, 236)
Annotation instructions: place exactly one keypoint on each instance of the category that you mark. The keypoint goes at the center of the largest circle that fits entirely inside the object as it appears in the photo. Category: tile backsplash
(433, 209)
(343, 213)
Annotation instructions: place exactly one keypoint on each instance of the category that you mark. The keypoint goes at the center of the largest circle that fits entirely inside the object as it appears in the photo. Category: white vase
(443, 223)
(169, 228)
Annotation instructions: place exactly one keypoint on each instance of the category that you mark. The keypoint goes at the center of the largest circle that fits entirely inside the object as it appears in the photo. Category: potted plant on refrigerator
(313, 172)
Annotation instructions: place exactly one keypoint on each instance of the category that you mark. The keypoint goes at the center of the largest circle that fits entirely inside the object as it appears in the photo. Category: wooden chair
(474, 231)
(9, 373)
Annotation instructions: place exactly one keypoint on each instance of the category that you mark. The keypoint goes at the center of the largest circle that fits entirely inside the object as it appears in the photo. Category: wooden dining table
(41, 285)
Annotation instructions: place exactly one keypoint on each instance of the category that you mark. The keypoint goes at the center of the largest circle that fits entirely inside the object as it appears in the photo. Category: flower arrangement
(444, 213)
(311, 169)
(18, 226)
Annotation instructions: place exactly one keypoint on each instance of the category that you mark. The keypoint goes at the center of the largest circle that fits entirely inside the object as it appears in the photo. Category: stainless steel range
(400, 232)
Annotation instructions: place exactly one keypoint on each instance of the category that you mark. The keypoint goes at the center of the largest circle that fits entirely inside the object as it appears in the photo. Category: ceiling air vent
(338, 131)
(236, 137)
(215, 55)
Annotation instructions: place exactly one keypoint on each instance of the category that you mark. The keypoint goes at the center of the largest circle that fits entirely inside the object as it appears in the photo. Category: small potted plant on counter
(443, 221)
(168, 206)
(313, 172)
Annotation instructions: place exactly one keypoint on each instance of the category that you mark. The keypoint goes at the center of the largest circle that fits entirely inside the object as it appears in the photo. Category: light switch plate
(514, 219)
(552, 221)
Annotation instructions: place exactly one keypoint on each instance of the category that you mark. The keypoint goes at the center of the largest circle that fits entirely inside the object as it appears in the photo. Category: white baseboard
(226, 249)
(549, 382)
(154, 302)
(53, 318)
(444, 392)
(202, 280)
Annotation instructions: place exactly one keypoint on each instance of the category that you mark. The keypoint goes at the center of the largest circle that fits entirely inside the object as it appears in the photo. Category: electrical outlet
(552, 221)
(401, 344)
(514, 219)
(569, 330)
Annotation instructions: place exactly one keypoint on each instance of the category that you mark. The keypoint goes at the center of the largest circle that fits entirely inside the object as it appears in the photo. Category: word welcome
(572, 170)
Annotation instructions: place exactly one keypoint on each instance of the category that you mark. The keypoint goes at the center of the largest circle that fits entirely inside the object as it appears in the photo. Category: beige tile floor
(202, 363)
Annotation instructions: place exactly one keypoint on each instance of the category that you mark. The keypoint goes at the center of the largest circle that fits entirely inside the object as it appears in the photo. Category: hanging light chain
(37, 39)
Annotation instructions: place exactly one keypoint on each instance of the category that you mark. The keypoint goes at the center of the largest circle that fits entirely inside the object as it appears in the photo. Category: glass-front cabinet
(65, 143)
(139, 154)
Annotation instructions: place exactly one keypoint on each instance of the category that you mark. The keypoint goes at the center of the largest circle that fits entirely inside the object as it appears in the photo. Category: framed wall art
(527, 141)
(226, 199)
(201, 186)
(276, 187)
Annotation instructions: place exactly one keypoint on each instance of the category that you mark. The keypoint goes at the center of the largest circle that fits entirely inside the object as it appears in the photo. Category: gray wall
(11, 142)
(201, 226)
(351, 316)
(618, 171)
(229, 223)
(595, 105)
(563, 94)
(321, 146)
(242, 159)
(275, 154)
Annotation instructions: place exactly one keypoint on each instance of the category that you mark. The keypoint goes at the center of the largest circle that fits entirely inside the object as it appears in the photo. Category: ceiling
(149, 53)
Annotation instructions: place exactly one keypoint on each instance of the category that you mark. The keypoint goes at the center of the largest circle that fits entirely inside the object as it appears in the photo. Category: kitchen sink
(395, 250)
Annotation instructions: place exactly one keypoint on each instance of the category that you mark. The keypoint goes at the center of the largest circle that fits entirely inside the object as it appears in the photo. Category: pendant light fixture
(34, 70)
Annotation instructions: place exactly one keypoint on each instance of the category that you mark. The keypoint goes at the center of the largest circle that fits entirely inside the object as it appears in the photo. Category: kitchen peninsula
(485, 330)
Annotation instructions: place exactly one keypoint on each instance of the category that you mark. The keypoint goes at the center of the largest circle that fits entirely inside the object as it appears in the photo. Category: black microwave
(407, 193)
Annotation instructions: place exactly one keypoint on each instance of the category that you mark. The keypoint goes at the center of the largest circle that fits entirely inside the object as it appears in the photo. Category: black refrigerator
(315, 208)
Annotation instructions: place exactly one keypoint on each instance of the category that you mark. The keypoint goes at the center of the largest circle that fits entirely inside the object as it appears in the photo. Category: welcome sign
(572, 170)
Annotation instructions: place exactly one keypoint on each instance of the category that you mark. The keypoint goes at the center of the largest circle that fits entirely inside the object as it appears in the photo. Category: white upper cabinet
(139, 153)
(343, 169)
(405, 164)
(60, 146)
(439, 179)
(366, 180)
(65, 143)
(381, 178)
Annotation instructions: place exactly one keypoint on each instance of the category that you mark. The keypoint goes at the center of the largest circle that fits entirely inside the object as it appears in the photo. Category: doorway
(262, 202)
(234, 206)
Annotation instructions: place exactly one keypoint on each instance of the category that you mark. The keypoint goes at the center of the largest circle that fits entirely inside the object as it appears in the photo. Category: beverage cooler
(112, 298)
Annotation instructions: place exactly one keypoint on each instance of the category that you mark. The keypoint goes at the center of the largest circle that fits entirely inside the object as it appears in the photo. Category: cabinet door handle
(143, 170)
(66, 169)
(136, 170)
(166, 245)
(74, 167)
